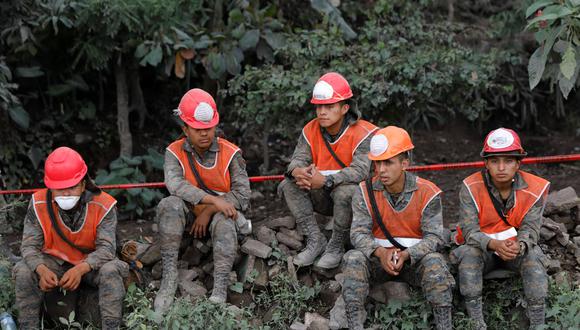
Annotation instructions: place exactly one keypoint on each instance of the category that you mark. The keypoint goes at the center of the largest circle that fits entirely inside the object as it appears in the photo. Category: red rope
(434, 167)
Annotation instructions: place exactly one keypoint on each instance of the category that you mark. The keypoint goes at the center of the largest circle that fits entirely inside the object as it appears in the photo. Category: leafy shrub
(131, 170)
(286, 300)
(7, 297)
(183, 314)
(556, 30)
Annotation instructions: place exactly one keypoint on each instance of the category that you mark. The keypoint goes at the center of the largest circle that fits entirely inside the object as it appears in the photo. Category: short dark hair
(404, 156)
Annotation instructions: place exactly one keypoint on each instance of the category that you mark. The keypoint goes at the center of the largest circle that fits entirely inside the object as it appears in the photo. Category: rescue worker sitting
(69, 239)
(209, 186)
(500, 217)
(397, 229)
(328, 161)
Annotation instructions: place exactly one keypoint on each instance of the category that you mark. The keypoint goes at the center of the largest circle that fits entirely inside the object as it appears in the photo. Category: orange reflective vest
(216, 177)
(344, 146)
(403, 225)
(85, 237)
(490, 222)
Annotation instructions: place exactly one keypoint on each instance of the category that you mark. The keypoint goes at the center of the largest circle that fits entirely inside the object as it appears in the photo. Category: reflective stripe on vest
(404, 241)
(344, 146)
(95, 211)
(503, 235)
(489, 221)
(216, 177)
(406, 223)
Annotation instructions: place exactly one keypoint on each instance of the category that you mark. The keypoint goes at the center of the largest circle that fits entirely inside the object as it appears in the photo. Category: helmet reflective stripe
(379, 144)
(500, 138)
(203, 112)
(322, 91)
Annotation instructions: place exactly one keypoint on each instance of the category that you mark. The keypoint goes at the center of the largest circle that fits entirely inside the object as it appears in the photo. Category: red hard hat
(502, 142)
(198, 110)
(331, 88)
(64, 168)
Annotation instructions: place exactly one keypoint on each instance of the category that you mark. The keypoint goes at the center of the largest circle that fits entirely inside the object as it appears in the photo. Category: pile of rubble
(273, 243)
(560, 235)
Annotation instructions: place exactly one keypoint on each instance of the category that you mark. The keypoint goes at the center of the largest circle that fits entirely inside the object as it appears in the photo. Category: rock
(245, 267)
(142, 248)
(397, 291)
(563, 238)
(298, 326)
(287, 222)
(154, 227)
(292, 233)
(192, 256)
(338, 315)
(291, 269)
(238, 312)
(256, 196)
(284, 249)
(334, 286)
(262, 277)
(152, 255)
(274, 271)
(327, 273)
(306, 279)
(565, 220)
(499, 274)
(207, 268)
(576, 241)
(339, 278)
(327, 296)
(377, 293)
(554, 266)
(157, 271)
(562, 201)
(265, 235)
(201, 246)
(562, 279)
(192, 289)
(187, 275)
(154, 285)
(315, 321)
(553, 225)
(256, 248)
(289, 241)
(546, 234)
(577, 230)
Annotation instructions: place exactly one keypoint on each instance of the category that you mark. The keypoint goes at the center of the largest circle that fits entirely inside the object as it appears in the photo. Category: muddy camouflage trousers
(473, 264)
(172, 217)
(431, 273)
(302, 203)
(108, 279)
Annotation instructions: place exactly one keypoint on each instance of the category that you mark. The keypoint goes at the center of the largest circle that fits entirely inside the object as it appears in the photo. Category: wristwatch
(328, 183)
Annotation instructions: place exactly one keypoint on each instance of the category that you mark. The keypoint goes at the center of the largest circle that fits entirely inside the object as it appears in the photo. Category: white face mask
(67, 202)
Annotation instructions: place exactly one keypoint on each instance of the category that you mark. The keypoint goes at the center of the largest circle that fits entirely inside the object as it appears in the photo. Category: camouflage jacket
(178, 186)
(361, 234)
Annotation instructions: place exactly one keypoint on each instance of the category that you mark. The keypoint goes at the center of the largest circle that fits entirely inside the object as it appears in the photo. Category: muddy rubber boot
(219, 293)
(536, 312)
(315, 242)
(166, 292)
(474, 308)
(332, 256)
(111, 324)
(443, 318)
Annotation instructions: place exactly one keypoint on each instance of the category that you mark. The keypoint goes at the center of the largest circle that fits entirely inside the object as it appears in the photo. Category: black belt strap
(200, 182)
(332, 153)
(56, 227)
(496, 205)
(377, 215)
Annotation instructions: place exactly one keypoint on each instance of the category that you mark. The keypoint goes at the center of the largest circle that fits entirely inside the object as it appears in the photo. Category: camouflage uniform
(426, 268)
(475, 260)
(107, 272)
(172, 213)
(336, 202)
